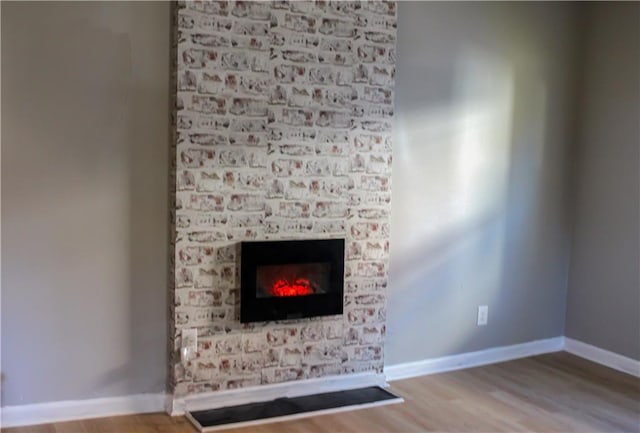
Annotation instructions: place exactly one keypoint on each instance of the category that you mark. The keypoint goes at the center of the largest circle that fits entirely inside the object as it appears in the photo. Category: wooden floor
(556, 392)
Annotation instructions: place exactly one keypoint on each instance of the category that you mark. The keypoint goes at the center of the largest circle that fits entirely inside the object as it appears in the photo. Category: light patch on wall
(468, 142)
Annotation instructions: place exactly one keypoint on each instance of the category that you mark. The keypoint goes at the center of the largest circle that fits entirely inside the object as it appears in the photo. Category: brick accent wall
(283, 116)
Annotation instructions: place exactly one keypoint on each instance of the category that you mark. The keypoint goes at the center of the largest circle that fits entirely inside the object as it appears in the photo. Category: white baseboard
(602, 356)
(212, 400)
(40, 413)
(473, 359)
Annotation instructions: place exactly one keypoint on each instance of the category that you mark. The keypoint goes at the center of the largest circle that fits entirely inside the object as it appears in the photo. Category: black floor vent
(283, 409)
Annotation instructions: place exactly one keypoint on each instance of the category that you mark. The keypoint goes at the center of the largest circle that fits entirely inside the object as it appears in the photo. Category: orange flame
(299, 287)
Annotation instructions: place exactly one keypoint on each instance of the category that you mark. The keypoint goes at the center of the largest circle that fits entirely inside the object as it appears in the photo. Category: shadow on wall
(478, 210)
(146, 114)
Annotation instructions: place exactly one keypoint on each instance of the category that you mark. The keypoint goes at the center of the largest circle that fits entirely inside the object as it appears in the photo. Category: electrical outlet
(189, 344)
(483, 315)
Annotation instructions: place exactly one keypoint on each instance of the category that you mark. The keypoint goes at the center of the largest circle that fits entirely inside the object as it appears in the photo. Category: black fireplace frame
(261, 253)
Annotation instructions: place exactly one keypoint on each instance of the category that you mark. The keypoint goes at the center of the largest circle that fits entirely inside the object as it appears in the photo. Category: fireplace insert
(291, 279)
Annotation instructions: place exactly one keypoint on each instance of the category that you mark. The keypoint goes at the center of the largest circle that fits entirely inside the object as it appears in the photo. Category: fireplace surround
(291, 279)
(282, 131)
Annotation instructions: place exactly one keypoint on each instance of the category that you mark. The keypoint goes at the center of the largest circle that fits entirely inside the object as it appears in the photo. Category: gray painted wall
(85, 115)
(480, 176)
(603, 306)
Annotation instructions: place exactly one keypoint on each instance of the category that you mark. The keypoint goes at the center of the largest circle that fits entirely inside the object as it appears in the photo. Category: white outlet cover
(483, 315)
(189, 345)
(189, 338)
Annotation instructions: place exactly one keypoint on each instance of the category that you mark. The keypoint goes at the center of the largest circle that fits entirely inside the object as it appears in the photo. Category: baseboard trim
(472, 359)
(41, 413)
(213, 400)
(602, 356)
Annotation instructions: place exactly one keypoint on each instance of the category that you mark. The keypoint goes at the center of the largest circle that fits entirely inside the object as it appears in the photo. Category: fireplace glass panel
(300, 279)
(291, 279)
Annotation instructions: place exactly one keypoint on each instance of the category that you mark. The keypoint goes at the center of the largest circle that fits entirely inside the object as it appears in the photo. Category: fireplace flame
(297, 287)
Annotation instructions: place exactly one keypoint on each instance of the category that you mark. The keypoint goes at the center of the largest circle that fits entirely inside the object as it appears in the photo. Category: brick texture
(282, 130)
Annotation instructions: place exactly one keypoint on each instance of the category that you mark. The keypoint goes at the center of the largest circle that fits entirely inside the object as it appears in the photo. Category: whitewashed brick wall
(283, 115)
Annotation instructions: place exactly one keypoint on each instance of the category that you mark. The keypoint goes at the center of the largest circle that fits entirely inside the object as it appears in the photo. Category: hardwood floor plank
(71, 427)
(556, 392)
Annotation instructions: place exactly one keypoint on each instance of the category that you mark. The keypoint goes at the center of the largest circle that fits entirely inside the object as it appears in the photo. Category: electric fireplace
(291, 279)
